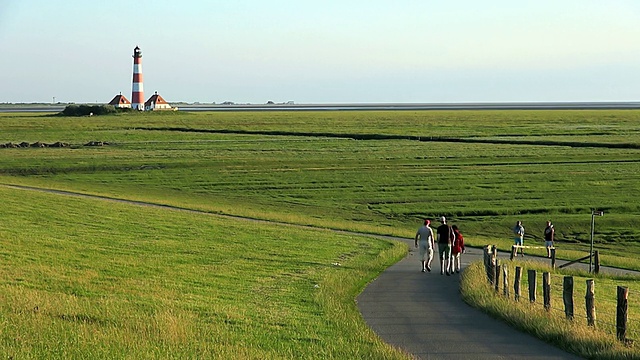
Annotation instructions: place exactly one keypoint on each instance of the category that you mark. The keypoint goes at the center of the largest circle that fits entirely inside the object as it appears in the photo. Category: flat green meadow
(90, 274)
(82, 278)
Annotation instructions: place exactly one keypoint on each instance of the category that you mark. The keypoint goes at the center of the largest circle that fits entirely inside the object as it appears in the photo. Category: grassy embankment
(575, 336)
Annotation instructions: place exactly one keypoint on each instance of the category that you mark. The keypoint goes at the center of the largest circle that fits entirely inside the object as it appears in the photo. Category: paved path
(424, 314)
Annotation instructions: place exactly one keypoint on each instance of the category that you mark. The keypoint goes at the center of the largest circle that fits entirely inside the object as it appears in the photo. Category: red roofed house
(120, 102)
(156, 102)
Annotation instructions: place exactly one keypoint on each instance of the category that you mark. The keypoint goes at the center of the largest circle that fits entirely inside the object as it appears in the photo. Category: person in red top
(456, 249)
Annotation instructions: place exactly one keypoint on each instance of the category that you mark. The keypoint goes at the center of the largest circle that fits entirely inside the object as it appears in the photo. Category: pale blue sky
(322, 51)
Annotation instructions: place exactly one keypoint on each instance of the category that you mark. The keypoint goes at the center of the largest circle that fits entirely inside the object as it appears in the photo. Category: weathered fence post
(494, 264)
(505, 281)
(553, 259)
(514, 251)
(546, 290)
(531, 276)
(596, 260)
(516, 283)
(621, 314)
(496, 282)
(590, 303)
(567, 296)
(484, 258)
(487, 262)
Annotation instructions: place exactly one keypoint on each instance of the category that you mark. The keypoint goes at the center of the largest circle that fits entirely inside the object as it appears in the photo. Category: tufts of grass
(573, 336)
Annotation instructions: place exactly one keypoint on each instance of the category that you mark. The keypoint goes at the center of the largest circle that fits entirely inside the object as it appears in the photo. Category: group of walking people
(450, 246)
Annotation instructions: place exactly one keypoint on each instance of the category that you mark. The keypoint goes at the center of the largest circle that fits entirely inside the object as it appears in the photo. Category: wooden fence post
(567, 296)
(546, 290)
(590, 303)
(621, 314)
(487, 262)
(516, 283)
(496, 282)
(531, 275)
(514, 251)
(505, 281)
(596, 260)
(553, 259)
(494, 263)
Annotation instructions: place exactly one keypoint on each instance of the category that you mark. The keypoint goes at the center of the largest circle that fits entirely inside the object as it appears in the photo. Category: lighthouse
(137, 91)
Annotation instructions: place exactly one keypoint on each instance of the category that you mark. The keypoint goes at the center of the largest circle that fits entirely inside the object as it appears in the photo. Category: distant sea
(368, 106)
(423, 106)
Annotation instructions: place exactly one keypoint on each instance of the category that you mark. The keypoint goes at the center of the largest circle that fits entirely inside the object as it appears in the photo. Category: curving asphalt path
(423, 313)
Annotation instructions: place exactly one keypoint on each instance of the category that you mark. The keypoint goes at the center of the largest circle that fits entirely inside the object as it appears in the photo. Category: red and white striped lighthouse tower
(137, 92)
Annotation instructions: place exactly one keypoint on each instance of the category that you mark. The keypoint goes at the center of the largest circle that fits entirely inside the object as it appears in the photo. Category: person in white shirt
(518, 240)
(427, 243)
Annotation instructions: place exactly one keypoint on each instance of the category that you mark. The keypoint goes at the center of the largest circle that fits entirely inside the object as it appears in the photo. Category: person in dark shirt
(445, 240)
(549, 235)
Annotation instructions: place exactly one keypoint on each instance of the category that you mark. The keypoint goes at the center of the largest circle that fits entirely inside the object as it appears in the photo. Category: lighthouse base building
(156, 102)
(120, 101)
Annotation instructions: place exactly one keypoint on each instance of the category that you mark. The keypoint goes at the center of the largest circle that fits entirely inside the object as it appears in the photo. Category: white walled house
(156, 102)
(120, 101)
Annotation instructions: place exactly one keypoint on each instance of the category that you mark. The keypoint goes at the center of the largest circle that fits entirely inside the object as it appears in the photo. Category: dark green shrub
(89, 110)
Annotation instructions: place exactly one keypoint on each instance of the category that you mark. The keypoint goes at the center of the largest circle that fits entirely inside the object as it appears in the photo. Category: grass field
(368, 171)
(380, 186)
(94, 279)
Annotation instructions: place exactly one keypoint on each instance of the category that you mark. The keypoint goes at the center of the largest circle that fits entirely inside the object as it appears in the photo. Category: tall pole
(137, 90)
(594, 213)
(593, 222)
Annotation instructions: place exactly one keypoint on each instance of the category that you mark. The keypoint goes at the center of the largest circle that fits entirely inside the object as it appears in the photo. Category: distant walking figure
(445, 240)
(457, 249)
(518, 240)
(549, 236)
(427, 244)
